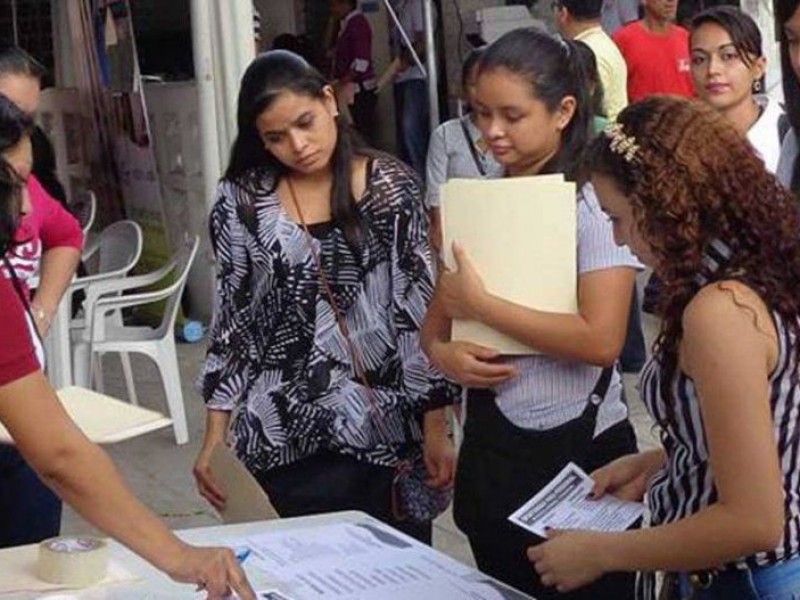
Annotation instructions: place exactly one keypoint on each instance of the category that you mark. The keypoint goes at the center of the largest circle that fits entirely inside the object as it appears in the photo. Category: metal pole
(405, 37)
(14, 21)
(207, 104)
(430, 58)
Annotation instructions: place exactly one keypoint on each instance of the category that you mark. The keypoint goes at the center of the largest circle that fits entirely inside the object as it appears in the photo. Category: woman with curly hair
(724, 493)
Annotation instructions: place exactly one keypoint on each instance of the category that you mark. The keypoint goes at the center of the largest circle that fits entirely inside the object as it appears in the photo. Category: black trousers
(501, 466)
(330, 482)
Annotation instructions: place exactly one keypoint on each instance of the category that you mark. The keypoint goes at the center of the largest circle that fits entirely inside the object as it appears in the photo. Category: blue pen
(243, 554)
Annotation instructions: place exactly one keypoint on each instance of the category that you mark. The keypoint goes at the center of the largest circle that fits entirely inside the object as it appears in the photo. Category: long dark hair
(552, 67)
(268, 76)
(594, 86)
(687, 197)
(14, 125)
(784, 10)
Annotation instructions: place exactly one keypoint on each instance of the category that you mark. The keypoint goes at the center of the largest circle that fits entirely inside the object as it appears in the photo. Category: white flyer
(564, 503)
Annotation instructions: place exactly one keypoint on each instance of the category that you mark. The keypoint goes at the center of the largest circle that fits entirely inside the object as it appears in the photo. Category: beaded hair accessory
(621, 143)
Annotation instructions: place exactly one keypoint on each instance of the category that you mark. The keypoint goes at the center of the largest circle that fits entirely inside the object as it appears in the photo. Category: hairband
(621, 143)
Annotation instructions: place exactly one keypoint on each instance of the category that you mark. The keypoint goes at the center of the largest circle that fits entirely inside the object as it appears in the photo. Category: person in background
(728, 68)
(529, 416)
(723, 386)
(457, 149)
(314, 372)
(48, 244)
(258, 30)
(579, 20)
(79, 471)
(52, 237)
(353, 72)
(788, 15)
(656, 52)
(411, 109)
(634, 351)
(594, 87)
(618, 13)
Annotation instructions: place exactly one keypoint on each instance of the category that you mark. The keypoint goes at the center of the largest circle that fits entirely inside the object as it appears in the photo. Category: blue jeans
(412, 121)
(29, 511)
(775, 582)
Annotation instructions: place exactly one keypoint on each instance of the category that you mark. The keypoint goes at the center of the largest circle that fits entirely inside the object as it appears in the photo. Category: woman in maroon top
(76, 469)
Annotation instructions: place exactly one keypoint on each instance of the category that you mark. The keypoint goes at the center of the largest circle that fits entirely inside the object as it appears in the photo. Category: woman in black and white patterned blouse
(321, 431)
(723, 384)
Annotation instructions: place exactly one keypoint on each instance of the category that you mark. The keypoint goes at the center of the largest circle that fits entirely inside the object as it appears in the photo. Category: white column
(207, 104)
(430, 60)
(235, 41)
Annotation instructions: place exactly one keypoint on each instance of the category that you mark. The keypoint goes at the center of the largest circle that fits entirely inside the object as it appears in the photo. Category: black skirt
(501, 466)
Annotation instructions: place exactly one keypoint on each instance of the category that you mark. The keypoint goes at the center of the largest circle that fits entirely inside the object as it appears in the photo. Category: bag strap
(472, 149)
(358, 364)
(23, 298)
(598, 393)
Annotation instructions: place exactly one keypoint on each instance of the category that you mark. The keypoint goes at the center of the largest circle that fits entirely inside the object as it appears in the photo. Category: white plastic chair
(103, 335)
(118, 250)
(89, 237)
(87, 212)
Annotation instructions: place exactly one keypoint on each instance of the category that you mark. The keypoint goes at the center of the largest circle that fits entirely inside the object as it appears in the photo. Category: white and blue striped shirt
(550, 391)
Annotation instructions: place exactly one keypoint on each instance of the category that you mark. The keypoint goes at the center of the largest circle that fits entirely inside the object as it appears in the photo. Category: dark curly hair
(693, 180)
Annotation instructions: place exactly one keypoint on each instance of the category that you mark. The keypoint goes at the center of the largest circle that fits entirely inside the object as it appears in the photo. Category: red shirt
(49, 225)
(657, 63)
(17, 354)
(353, 51)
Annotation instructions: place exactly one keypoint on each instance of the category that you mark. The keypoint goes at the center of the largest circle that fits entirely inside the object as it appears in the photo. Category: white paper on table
(104, 420)
(564, 504)
(18, 575)
(363, 561)
(520, 233)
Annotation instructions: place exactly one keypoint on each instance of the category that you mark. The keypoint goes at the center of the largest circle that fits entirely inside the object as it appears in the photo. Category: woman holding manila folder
(529, 416)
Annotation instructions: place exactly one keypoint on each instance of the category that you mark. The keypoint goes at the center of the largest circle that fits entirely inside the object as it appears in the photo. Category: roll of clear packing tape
(72, 561)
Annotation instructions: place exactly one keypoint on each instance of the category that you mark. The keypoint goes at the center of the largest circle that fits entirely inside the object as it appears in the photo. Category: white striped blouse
(550, 391)
(685, 485)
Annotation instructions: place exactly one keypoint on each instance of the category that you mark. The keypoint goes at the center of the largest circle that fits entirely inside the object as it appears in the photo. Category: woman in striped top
(528, 416)
(724, 493)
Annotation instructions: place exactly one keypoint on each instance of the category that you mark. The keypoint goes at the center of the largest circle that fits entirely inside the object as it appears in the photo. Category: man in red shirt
(656, 52)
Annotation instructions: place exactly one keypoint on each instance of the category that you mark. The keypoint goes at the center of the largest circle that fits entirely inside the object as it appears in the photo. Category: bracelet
(40, 314)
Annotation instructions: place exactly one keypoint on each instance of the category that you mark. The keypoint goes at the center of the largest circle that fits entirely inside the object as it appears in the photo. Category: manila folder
(245, 498)
(520, 233)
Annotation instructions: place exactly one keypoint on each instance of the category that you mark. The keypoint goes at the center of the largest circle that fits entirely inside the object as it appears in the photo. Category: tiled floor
(160, 472)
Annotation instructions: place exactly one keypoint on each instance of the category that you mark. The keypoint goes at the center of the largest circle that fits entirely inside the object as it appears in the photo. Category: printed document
(362, 561)
(565, 504)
